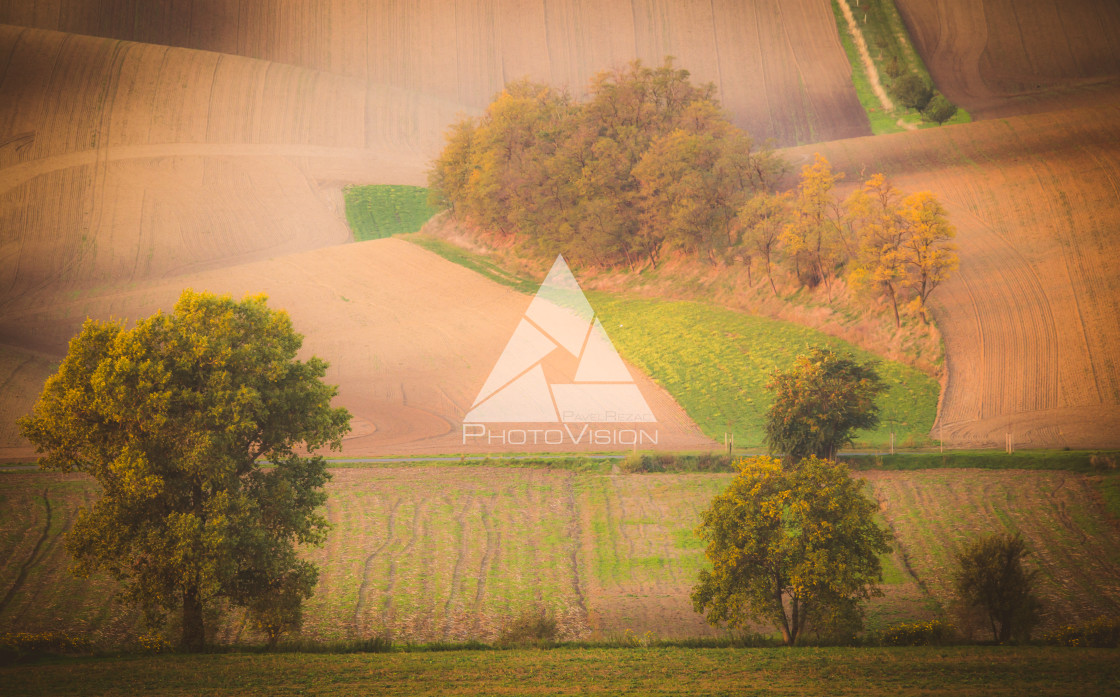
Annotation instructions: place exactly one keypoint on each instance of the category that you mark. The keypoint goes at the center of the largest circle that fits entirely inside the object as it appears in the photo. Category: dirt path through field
(865, 57)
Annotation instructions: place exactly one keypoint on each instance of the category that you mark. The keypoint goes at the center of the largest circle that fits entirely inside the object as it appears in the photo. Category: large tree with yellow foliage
(176, 419)
(796, 547)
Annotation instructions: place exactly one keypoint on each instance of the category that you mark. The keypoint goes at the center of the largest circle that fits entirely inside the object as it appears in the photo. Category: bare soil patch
(997, 58)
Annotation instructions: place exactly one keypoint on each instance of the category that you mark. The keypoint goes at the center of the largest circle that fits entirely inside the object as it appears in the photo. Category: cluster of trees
(915, 93)
(882, 241)
(647, 165)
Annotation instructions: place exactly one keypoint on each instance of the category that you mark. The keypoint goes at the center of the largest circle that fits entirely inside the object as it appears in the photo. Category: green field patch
(385, 210)
(716, 363)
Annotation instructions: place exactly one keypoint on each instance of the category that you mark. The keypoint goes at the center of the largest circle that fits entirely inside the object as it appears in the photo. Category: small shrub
(152, 643)
(20, 645)
(1102, 633)
(933, 633)
(912, 91)
(939, 110)
(992, 587)
(537, 625)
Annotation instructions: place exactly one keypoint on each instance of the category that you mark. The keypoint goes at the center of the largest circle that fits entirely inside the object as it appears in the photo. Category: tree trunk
(770, 278)
(894, 304)
(194, 634)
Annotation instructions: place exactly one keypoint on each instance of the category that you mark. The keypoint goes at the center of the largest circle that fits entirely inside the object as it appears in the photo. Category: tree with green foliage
(797, 547)
(176, 419)
(990, 580)
(819, 403)
(940, 109)
(912, 91)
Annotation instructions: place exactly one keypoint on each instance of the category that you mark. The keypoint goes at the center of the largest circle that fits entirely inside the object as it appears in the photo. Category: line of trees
(882, 241)
(650, 166)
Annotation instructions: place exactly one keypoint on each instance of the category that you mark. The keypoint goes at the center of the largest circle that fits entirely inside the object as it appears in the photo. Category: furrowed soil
(1030, 320)
(998, 58)
(432, 553)
(779, 66)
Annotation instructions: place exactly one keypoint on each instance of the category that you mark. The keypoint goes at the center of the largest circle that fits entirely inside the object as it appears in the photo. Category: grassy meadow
(806, 672)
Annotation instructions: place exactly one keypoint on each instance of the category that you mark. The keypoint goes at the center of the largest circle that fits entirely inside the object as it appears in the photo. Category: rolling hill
(1030, 321)
(779, 65)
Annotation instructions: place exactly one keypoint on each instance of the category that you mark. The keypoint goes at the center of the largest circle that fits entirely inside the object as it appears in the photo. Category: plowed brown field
(778, 65)
(999, 57)
(1032, 320)
(410, 337)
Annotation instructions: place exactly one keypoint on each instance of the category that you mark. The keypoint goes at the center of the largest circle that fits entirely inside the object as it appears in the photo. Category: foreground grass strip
(661, 671)
(380, 211)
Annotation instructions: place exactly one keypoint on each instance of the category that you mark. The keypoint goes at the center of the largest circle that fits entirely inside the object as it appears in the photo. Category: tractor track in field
(26, 566)
(457, 569)
(363, 589)
(576, 535)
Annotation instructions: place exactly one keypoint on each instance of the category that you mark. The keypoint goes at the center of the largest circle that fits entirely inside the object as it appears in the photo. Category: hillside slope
(409, 336)
(1030, 321)
(778, 64)
(121, 161)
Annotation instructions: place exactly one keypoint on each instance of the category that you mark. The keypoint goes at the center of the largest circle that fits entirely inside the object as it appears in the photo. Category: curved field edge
(715, 362)
(451, 553)
(579, 671)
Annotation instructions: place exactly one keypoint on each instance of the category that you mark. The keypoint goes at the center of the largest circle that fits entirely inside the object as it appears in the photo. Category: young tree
(813, 233)
(990, 579)
(174, 419)
(928, 253)
(795, 547)
(761, 221)
(819, 403)
(874, 212)
(913, 91)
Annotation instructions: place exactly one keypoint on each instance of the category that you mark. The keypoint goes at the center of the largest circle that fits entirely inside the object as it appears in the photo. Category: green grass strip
(716, 363)
(1084, 461)
(886, 37)
(380, 211)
